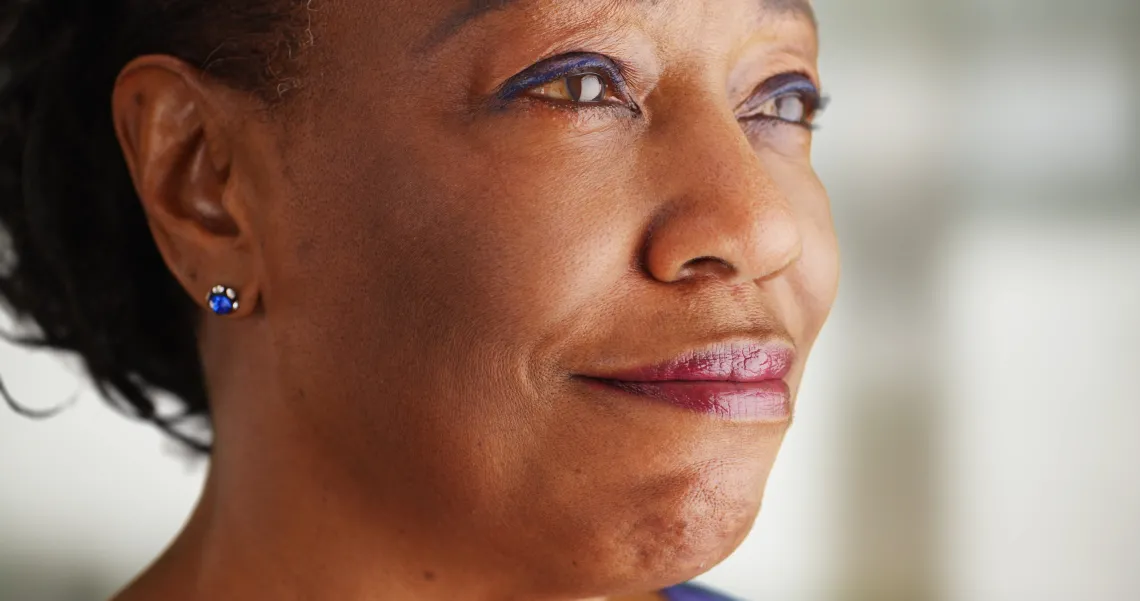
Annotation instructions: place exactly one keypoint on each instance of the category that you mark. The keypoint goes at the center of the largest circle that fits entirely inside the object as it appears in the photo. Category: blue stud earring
(223, 300)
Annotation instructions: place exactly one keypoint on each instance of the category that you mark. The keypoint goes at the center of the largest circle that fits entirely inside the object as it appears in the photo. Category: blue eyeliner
(782, 85)
(557, 68)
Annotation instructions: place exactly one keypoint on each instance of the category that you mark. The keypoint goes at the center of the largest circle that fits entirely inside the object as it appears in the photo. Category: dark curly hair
(78, 264)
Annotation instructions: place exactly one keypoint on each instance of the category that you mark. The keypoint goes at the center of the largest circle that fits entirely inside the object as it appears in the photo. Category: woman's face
(457, 236)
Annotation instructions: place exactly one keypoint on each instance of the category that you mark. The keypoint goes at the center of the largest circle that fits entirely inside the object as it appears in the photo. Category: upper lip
(726, 361)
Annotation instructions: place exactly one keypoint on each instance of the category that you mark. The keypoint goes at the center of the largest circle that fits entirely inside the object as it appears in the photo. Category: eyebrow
(478, 8)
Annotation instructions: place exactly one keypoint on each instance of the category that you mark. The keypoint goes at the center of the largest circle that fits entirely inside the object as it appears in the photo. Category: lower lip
(766, 401)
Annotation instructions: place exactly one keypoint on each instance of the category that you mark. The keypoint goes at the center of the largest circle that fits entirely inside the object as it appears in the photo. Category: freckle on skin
(429, 576)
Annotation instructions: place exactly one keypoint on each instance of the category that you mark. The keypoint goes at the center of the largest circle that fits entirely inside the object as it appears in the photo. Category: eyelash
(783, 86)
(577, 64)
(566, 66)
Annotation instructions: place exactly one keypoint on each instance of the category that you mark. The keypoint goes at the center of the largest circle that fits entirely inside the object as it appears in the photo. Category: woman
(483, 299)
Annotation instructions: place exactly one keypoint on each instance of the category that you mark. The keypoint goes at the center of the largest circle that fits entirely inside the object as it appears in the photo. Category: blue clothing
(692, 592)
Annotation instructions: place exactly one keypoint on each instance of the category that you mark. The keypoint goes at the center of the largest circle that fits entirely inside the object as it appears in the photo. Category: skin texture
(421, 275)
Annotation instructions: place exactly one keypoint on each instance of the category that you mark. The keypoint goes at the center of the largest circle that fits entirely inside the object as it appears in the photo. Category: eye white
(591, 88)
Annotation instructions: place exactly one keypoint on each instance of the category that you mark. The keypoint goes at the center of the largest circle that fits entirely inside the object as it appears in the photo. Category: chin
(674, 544)
(660, 537)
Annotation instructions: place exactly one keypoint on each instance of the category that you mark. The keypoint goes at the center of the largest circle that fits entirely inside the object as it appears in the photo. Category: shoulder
(693, 592)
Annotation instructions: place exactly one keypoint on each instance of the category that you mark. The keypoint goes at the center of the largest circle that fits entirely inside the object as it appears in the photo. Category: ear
(172, 128)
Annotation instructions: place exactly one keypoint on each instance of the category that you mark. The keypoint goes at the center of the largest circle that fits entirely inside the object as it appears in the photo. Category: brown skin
(421, 276)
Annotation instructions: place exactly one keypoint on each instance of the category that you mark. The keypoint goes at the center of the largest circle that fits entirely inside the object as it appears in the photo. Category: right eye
(576, 80)
(581, 88)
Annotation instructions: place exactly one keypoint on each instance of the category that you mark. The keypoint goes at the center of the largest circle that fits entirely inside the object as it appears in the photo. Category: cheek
(550, 228)
(815, 278)
(436, 271)
(820, 267)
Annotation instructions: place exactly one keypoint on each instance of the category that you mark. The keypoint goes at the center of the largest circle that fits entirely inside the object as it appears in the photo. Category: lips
(739, 381)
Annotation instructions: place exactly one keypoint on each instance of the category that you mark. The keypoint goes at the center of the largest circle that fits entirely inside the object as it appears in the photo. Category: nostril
(706, 267)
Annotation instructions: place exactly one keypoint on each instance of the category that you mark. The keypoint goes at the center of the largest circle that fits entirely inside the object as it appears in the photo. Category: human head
(432, 244)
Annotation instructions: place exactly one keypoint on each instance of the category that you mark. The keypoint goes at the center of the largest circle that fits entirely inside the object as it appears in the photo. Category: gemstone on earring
(222, 300)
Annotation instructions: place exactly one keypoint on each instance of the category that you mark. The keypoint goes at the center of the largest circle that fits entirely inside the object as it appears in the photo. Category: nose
(722, 215)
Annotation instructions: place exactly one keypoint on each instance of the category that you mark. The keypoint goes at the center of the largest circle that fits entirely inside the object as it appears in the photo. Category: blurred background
(969, 429)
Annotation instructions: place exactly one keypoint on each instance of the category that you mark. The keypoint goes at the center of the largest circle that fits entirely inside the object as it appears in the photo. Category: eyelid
(781, 85)
(565, 65)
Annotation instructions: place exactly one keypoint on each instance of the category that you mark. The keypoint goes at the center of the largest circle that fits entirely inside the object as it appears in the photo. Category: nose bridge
(720, 212)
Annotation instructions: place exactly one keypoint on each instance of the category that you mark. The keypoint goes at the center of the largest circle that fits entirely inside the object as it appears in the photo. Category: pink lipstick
(740, 381)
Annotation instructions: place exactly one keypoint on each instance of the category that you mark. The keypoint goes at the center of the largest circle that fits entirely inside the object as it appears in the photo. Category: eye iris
(586, 88)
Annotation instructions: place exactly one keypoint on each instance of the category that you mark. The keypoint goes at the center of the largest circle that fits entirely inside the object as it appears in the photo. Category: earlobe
(223, 300)
(176, 148)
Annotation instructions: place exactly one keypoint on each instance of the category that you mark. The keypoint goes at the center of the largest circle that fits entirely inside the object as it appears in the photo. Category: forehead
(466, 12)
(386, 40)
